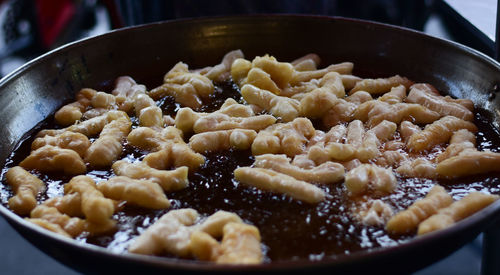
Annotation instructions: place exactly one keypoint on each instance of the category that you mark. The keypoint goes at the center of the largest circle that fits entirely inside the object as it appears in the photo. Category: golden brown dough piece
(96, 208)
(269, 180)
(423, 94)
(239, 139)
(72, 226)
(67, 140)
(108, 147)
(456, 211)
(469, 162)
(288, 138)
(380, 85)
(140, 192)
(49, 226)
(26, 187)
(438, 132)
(171, 180)
(71, 113)
(328, 172)
(54, 159)
(460, 141)
(408, 220)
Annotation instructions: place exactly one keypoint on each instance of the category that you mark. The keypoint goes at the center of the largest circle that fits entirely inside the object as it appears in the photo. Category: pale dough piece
(221, 72)
(102, 100)
(328, 172)
(240, 139)
(368, 177)
(288, 138)
(171, 233)
(359, 97)
(341, 112)
(469, 162)
(308, 62)
(140, 192)
(270, 180)
(96, 208)
(421, 94)
(26, 187)
(317, 103)
(146, 110)
(380, 85)
(456, 211)
(407, 129)
(385, 130)
(280, 72)
(304, 76)
(408, 220)
(283, 107)
(168, 180)
(396, 95)
(374, 213)
(219, 121)
(150, 139)
(71, 113)
(176, 155)
(108, 147)
(125, 91)
(214, 224)
(391, 158)
(239, 70)
(72, 226)
(262, 80)
(418, 168)
(67, 140)
(438, 132)
(240, 245)
(53, 159)
(187, 88)
(186, 118)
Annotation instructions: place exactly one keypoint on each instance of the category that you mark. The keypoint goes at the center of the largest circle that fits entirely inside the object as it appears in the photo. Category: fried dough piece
(214, 224)
(269, 180)
(187, 88)
(186, 117)
(368, 177)
(438, 132)
(168, 180)
(219, 121)
(176, 155)
(308, 62)
(141, 192)
(456, 211)
(418, 168)
(125, 92)
(96, 208)
(54, 159)
(239, 139)
(374, 213)
(69, 204)
(171, 234)
(380, 85)
(262, 80)
(280, 72)
(67, 140)
(407, 129)
(304, 76)
(460, 141)
(396, 95)
(239, 70)
(408, 220)
(108, 147)
(49, 226)
(289, 138)
(328, 172)
(149, 139)
(283, 107)
(240, 245)
(423, 95)
(71, 113)
(26, 187)
(72, 226)
(375, 111)
(222, 71)
(146, 110)
(391, 159)
(469, 162)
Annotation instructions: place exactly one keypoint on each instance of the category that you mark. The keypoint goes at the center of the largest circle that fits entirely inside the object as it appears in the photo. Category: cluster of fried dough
(373, 131)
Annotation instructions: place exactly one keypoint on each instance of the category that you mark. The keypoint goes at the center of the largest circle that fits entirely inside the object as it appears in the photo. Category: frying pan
(36, 90)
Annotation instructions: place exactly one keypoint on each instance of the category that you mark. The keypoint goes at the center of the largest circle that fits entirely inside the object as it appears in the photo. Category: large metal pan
(36, 90)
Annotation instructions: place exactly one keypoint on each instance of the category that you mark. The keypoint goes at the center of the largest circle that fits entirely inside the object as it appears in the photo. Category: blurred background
(30, 28)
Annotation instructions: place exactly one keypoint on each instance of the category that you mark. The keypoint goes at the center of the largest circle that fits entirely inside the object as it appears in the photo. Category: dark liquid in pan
(290, 229)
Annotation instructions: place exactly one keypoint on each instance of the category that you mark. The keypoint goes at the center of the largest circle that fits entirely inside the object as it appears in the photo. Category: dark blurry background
(29, 28)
